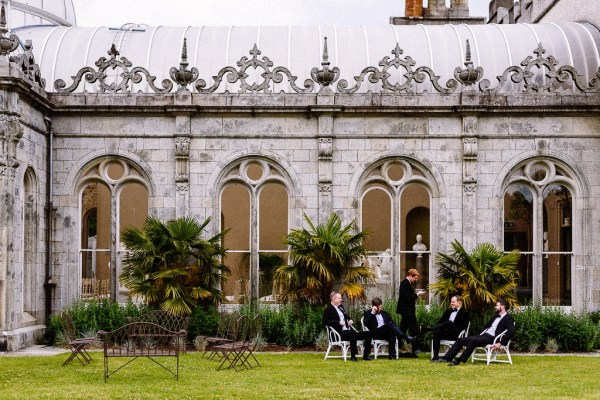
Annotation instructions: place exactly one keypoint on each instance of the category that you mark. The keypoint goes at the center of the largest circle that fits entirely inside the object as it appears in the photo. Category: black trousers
(469, 343)
(391, 333)
(444, 331)
(352, 336)
(409, 323)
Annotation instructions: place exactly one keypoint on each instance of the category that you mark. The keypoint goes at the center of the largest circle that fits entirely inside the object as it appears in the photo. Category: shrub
(540, 326)
(291, 326)
(203, 321)
(90, 316)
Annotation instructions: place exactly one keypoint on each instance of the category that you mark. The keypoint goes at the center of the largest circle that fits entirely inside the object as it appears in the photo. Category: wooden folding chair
(78, 346)
(227, 332)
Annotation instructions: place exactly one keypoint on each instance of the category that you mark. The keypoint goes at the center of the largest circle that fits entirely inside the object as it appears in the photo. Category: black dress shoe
(366, 358)
(453, 363)
(353, 359)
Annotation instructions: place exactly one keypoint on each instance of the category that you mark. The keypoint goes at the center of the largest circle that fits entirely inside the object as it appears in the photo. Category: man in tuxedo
(501, 322)
(381, 326)
(335, 316)
(406, 306)
(451, 323)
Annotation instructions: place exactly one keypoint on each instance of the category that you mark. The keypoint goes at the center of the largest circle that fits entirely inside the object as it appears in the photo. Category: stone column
(182, 161)
(10, 135)
(469, 196)
(325, 171)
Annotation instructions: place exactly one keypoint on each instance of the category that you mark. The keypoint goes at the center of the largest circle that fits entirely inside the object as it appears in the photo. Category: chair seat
(335, 340)
(489, 354)
(446, 344)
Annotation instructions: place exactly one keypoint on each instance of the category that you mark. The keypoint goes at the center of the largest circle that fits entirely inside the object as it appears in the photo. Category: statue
(385, 264)
(419, 247)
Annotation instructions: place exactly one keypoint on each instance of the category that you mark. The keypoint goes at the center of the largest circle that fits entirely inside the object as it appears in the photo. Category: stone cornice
(142, 103)
(28, 91)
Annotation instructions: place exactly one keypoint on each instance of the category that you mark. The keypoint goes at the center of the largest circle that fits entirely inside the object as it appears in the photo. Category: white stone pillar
(469, 196)
(10, 135)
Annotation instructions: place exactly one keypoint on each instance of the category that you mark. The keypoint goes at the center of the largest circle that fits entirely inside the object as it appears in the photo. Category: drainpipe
(49, 285)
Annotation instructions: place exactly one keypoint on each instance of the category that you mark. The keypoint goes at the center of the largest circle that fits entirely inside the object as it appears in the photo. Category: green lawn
(304, 376)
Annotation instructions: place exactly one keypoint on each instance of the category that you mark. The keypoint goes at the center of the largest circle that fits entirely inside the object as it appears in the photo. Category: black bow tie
(455, 309)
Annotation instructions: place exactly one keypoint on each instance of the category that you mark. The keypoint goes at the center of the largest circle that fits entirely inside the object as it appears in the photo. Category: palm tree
(171, 267)
(480, 277)
(321, 257)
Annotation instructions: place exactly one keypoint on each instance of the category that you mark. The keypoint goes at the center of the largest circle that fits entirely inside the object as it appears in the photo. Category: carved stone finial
(183, 76)
(3, 18)
(397, 51)
(26, 62)
(468, 75)
(325, 76)
(113, 52)
(10, 43)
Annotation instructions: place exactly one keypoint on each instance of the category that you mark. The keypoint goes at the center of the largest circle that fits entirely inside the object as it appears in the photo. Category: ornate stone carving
(469, 188)
(10, 43)
(325, 187)
(470, 125)
(470, 148)
(325, 76)
(325, 147)
(7, 172)
(11, 133)
(552, 75)
(26, 63)
(416, 76)
(234, 75)
(183, 187)
(469, 75)
(183, 76)
(91, 76)
(182, 146)
(182, 153)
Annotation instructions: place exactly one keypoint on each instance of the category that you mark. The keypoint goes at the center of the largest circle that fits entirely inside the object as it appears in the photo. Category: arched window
(538, 221)
(254, 205)
(113, 195)
(395, 207)
(30, 239)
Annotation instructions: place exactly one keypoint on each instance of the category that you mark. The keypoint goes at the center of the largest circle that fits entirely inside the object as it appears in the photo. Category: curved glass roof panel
(62, 51)
(41, 12)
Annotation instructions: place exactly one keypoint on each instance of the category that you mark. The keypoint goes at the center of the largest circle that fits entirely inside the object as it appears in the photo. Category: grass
(303, 376)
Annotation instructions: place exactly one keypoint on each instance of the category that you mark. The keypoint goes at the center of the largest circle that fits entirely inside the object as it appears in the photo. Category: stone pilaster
(325, 166)
(10, 135)
(469, 195)
(182, 161)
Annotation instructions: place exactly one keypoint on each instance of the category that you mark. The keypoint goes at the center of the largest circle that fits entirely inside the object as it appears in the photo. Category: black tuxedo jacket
(370, 320)
(506, 323)
(406, 298)
(460, 322)
(332, 318)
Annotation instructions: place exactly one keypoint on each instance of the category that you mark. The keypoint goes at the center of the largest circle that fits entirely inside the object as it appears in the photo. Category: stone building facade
(482, 133)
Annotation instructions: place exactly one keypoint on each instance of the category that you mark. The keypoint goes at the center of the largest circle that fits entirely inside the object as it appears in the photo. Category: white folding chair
(380, 346)
(335, 340)
(490, 354)
(448, 343)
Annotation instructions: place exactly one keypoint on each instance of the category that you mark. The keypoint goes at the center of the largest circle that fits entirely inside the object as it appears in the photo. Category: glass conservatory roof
(41, 12)
(62, 51)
